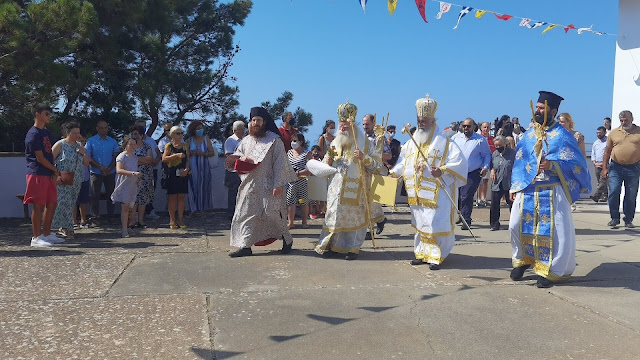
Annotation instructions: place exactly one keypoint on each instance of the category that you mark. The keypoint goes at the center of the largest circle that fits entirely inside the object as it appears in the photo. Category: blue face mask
(200, 132)
(391, 135)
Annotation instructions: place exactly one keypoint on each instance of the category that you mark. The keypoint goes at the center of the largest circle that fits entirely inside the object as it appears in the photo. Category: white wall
(14, 183)
(626, 78)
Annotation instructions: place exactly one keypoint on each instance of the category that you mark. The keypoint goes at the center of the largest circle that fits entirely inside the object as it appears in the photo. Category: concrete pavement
(167, 294)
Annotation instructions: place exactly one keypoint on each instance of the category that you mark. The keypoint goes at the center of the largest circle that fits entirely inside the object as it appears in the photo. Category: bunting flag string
(391, 4)
(479, 13)
(549, 28)
(422, 5)
(465, 10)
(363, 3)
(445, 7)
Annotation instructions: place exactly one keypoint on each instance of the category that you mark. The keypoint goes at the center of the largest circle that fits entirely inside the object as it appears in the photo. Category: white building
(626, 79)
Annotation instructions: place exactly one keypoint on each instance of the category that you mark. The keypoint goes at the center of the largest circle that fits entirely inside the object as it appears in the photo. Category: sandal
(305, 226)
(183, 226)
(173, 226)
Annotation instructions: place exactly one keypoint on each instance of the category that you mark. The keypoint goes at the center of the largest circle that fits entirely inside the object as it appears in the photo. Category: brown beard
(257, 132)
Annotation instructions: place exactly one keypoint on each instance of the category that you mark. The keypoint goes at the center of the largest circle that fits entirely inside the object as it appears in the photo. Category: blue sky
(328, 51)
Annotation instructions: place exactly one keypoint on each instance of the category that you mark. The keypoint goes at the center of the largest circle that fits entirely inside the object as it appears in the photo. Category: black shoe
(286, 248)
(544, 283)
(629, 225)
(434, 267)
(465, 226)
(613, 223)
(380, 226)
(517, 273)
(459, 221)
(495, 228)
(368, 236)
(351, 256)
(241, 252)
(594, 198)
(417, 262)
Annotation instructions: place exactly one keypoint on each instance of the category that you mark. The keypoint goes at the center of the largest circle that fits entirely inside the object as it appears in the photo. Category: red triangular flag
(569, 27)
(421, 4)
(504, 17)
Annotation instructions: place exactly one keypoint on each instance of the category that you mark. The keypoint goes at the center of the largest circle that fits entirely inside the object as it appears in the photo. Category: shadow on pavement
(601, 277)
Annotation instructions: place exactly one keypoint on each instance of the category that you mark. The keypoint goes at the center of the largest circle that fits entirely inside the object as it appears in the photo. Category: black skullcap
(270, 125)
(553, 100)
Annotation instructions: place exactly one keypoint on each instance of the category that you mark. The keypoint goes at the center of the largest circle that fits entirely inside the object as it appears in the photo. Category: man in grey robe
(260, 217)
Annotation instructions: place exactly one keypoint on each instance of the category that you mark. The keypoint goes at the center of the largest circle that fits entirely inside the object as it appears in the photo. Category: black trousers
(109, 182)
(232, 182)
(467, 192)
(494, 213)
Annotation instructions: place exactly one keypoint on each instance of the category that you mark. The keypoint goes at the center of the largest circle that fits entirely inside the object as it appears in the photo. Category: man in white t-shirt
(231, 178)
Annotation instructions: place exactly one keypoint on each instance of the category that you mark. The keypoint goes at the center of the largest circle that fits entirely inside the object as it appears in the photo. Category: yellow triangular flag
(392, 6)
(550, 27)
(479, 13)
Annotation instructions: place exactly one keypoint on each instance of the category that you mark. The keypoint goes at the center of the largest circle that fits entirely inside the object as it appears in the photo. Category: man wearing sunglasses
(478, 154)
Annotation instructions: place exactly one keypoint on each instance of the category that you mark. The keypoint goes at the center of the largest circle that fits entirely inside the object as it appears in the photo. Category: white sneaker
(153, 216)
(40, 241)
(125, 234)
(54, 239)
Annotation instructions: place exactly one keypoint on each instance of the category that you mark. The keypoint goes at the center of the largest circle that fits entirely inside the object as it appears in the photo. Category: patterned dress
(68, 160)
(200, 179)
(298, 192)
(145, 192)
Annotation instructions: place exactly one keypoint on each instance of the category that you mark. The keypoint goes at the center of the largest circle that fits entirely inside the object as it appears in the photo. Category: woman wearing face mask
(297, 192)
(328, 134)
(144, 153)
(200, 149)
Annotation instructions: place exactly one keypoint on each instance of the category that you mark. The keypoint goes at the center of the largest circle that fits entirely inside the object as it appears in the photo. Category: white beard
(627, 128)
(343, 140)
(422, 135)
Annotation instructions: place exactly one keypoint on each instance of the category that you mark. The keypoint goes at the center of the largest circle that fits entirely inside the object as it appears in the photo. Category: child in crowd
(127, 182)
(316, 208)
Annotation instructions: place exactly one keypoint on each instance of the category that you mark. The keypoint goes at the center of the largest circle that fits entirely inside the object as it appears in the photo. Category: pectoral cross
(433, 155)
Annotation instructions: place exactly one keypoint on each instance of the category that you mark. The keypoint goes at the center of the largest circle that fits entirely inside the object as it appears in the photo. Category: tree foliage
(117, 60)
(279, 107)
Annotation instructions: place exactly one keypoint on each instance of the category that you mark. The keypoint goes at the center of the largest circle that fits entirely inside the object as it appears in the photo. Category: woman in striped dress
(297, 192)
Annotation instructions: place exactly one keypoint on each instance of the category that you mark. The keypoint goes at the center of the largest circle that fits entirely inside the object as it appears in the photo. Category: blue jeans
(629, 174)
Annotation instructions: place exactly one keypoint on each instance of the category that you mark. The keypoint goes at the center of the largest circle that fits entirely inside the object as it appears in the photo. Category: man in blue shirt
(476, 149)
(102, 150)
(597, 156)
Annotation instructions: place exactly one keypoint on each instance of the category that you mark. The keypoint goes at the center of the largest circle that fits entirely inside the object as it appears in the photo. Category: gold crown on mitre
(426, 107)
(347, 112)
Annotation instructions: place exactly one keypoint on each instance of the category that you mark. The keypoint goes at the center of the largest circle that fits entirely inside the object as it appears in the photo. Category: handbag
(66, 177)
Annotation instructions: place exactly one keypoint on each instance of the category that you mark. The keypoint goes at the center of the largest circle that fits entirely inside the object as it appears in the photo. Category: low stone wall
(14, 182)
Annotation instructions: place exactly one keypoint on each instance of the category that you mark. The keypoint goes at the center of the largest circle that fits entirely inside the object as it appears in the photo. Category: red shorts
(41, 190)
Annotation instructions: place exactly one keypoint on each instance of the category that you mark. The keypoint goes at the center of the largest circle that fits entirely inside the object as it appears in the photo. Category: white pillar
(626, 78)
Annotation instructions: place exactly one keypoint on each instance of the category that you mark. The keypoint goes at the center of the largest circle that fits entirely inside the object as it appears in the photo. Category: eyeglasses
(466, 126)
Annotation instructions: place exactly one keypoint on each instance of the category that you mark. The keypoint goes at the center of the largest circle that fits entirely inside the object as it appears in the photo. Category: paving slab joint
(106, 293)
(607, 317)
(212, 329)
